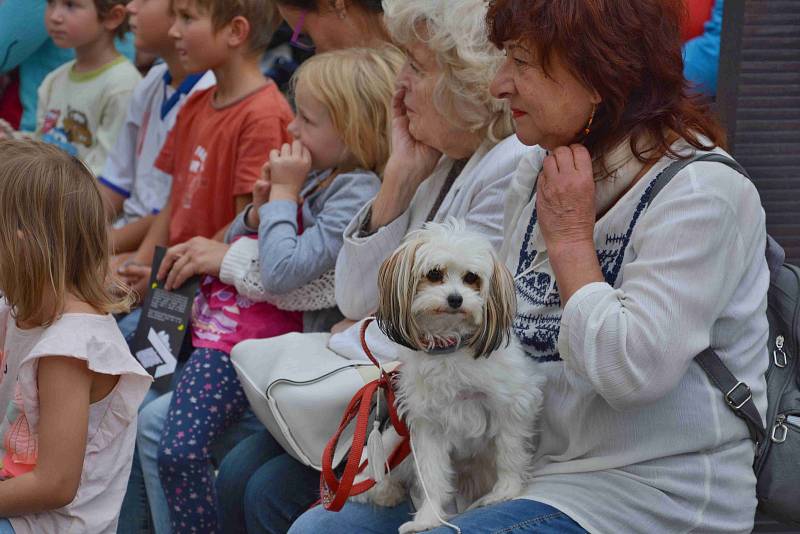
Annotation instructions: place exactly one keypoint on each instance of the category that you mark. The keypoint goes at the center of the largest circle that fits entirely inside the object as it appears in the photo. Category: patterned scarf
(539, 317)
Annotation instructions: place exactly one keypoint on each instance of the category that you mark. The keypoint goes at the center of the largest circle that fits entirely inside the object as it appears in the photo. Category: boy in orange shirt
(223, 134)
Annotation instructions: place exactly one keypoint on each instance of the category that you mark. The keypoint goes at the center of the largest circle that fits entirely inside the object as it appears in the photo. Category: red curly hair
(629, 51)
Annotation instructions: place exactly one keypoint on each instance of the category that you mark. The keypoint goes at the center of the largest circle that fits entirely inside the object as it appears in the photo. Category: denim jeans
(262, 489)
(5, 527)
(520, 516)
(134, 517)
(127, 323)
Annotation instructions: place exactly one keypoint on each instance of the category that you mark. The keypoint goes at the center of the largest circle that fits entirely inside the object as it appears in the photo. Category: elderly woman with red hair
(619, 290)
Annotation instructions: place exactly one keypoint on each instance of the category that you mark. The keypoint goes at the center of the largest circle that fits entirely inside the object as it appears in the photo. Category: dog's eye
(434, 275)
(471, 279)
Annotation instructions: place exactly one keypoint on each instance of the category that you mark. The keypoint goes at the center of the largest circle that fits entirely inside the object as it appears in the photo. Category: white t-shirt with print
(82, 112)
(129, 169)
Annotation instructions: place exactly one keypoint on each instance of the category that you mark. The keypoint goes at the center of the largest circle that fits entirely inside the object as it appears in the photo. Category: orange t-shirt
(216, 154)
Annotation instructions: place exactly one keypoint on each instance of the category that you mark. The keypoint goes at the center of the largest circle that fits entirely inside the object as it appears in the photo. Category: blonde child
(82, 104)
(309, 192)
(70, 389)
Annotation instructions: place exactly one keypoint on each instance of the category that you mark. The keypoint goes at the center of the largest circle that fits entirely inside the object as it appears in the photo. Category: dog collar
(446, 346)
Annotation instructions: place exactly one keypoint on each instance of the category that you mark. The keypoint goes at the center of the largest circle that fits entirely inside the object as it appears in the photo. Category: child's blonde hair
(53, 234)
(356, 85)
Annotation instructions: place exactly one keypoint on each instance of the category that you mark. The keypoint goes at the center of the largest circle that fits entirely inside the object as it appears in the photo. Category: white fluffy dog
(465, 388)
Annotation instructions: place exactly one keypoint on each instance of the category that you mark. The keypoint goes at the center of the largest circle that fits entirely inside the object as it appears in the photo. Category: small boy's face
(150, 22)
(72, 23)
(200, 47)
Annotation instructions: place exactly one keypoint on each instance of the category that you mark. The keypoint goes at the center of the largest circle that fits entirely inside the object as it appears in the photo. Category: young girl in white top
(69, 387)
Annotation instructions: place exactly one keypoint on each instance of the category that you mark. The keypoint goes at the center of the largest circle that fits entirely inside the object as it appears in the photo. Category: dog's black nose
(455, 300)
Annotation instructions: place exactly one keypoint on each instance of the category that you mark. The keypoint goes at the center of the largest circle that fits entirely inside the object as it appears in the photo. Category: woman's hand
(411, 163)
(565, 198)
(199, 255)
(289, 168)
(417, 160)
(565, 211)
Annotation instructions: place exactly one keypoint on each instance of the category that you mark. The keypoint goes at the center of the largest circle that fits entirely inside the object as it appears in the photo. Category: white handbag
(299, 388)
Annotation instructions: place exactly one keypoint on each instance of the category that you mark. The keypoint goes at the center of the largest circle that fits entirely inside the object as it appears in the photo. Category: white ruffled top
(97, 340)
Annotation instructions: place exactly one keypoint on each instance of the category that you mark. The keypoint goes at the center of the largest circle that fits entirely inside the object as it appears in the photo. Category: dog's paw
(502, 491)
(389, 493)
(416, 525)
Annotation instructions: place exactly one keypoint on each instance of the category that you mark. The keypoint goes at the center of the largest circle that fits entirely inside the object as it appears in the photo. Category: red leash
(335, 491)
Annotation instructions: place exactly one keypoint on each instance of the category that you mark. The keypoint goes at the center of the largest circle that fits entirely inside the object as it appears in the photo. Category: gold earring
(591, 119)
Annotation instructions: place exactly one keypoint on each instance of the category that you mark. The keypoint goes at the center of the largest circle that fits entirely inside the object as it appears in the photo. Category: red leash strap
(334, 492)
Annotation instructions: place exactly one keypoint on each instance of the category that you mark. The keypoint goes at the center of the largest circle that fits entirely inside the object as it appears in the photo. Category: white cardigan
(634, 438)
(477, 197)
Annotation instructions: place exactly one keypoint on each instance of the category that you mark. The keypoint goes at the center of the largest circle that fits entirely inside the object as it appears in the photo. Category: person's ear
(115, 17)
(595, 99)
(238, 32)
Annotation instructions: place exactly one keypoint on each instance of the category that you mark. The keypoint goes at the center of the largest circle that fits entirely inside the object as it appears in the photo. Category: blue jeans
(127, 323)
(135, 516)
(5, 527)
(262, 489)
(520, 516)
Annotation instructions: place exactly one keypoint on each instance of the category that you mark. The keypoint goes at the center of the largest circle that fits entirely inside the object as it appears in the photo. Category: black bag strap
(736, 393)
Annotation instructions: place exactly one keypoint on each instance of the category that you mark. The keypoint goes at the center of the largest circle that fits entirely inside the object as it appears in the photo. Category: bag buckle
(779, 433)
(779, 355)
(734, 403)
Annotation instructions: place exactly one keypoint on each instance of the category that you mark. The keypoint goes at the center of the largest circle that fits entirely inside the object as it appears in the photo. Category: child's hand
(136, 276)
(289, 169)
(261, 191)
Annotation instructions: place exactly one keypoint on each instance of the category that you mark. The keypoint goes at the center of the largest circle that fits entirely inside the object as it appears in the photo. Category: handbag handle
(334, 492)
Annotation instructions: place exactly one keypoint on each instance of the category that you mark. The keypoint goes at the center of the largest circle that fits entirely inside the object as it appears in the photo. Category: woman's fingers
(582, 159)
(177, 274)
(564, 159)
(550, 168)
(398, 102)
(172, 255)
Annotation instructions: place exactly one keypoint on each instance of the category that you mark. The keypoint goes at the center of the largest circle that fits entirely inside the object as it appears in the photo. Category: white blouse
(476, 196)
(634, 437)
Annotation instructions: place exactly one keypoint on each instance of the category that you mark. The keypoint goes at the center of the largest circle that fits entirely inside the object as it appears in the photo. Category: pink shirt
(221, 317)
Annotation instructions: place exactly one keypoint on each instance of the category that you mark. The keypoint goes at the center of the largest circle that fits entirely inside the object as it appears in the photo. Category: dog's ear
(397, 285)
(499, 311)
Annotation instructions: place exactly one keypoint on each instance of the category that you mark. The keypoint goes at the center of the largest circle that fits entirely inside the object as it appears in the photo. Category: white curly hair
(456, 34)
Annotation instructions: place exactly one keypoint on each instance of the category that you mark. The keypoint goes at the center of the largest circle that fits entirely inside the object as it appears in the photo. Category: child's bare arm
(129, 237)
(137, 271)
(112, 199)
(157, 235)
(64, 396)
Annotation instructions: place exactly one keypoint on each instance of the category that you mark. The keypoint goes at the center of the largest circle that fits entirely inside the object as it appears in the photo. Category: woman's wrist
(575, 265)
(395, 195)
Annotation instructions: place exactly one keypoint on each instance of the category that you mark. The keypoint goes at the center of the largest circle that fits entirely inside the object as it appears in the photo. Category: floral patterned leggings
(207, 400)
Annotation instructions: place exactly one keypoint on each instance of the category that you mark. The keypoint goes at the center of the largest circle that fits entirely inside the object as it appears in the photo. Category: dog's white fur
(471, 412)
